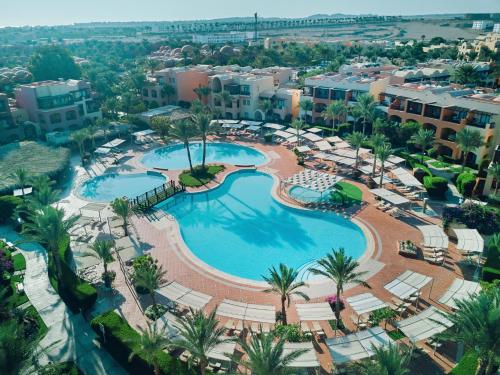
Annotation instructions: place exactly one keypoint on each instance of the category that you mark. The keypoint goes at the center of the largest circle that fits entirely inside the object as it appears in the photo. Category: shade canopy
(323, 146)
(313, 180)
(365, 303)
(341, 160)
(390, 196)
(180, 294)
(23, 191)
(469, 240)
(228, 121)
(357, 346)
(143, 133)
(102, 150)
(251, 123)
(254, 128)
(303, 149)
(232, 125)
(347, 153)
(314, 130)
(407, 284)
(294, 131)
(247, 311)
(170, 323)
(459, 290)
(221, 351)
(424, 325)
(306, 360)
(283, 134)
(312, 137)
(273, 126)
(341, 145)
(406, 178)
(434, 236)
(334, 139)
(315, 311)
(114, 143)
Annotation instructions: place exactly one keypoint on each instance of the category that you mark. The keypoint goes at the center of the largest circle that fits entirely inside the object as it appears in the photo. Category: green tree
(283, 282)
(389, 360)
(266, 106)
(150, 276)
(149, 344)
(198, 335)
(265, 356)
(21, 178)
(203, 92)
(162, 125)
(168, 91)
(342, 270)
(53, 62)
(377, 140)
(423, 139)
(306, 106)
(466, 74)
(366, 107)
(494, 170)
(333, 112)
(298, 125)
(121, 208)
(103, 250)
(16, 349)
(356, 140)
(202, 122)
(476, 322)
(468, 141)
(383, 152)
(79, 137)
(184, 130)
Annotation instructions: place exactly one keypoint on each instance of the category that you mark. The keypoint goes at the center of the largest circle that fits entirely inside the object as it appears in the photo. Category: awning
(324, 145)
(390, 196)
(232, 126)
(469, 240)
(459, 290)
(434, 236)
(273, 126)
(228, 121)
(407, 284)
(314, 130)
(347, 152)
(247, 311)
(423, 325)
(406, 177)
(303, 149)
(283, 134)
(102, 150)
(143, 133)
(254, 128)
(180, 294)
(334, 139)
(221, 351)
(251, 123)
(306, 360)
(341, 145)
(395, 159)
(312, 137)
(294, 131)
(357, 346)
(315, 311)
(114, 143)
(365, 303)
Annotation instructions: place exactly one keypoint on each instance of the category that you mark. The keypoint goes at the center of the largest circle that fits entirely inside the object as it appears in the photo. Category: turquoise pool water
(175, 156)
(107, 187)
(240, 229)
(308, 196)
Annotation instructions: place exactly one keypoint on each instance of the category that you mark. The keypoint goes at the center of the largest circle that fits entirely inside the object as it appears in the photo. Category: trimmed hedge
(467, 365)
(436, 186)
(119, 339)
(465, 183)
(491, 269)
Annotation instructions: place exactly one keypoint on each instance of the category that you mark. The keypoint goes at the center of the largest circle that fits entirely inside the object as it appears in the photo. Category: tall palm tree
(356, 140)
(377, 140)
(333, 112)
(121, 208)
(48, 226)
(476, 322)
(149, 344)
(494, 170)
(168, 91)
(185, 130)
(284, 283)
(264, 356)
(150, 276)
(79, 137)
(423, 139)
(203, 92)
(356, 115)
(21, 178)
(198, 335)
(342, 270)
(389, 360)
(468, 141)
(306, 106)
(91, 130)
(103, 250)
(383, 152)
(366, 107)
(202, 122)
(298, 125)
(266, 106)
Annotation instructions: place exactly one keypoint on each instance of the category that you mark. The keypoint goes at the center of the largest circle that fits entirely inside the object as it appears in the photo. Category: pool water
(240, 229)
(107, 187)
(305, 195)
(175, 156)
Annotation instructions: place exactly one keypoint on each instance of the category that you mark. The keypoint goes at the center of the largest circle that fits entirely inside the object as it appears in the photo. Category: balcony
(414, 108)
(432, 111)
(321, 93)
(232, 89)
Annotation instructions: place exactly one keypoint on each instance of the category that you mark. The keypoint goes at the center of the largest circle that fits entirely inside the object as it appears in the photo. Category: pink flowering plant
(332, 300)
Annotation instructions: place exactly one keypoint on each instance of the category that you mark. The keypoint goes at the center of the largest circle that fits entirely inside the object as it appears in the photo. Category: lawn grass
(16, 299)
(467, 365)
(350, 193)
(19, 262)
(42, 328)
(199, 177)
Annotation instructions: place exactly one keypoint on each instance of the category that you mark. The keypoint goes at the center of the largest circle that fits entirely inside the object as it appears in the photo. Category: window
(55, 118)
(80, 110)
(154, 94)
(245, 90)
(321, 93)
(281, 103)
(145, 92)
(70, 115)
(414, 107)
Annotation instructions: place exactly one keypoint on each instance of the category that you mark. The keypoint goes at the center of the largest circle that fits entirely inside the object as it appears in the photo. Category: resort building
(481, 25)
(326, 88)
(58, 105)
(14, 124)
(223, 38)
(490, 41)
(446, 111)
(496, 28)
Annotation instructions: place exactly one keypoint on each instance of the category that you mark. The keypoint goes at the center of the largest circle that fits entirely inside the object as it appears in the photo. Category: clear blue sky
(55, 12)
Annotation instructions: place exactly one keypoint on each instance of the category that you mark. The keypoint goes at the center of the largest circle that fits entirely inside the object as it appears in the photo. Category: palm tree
(162, 125)
(121, 208)
(494, 170)
(43, 194)
(476, 322)
(342, 270)
(264, 356)
(202, 122)
(423, 139)
(150, 276)
(468, 141)
(389, 360)
(168, 91)
(366, 107)
(226, 100)
(21, 177)
(149, 344)
(284, 283)
(466, 74)
(48, 226)
(102, 249)
(356, 115)
(79, 137)
(356, 140)
(184, 130)
(298, 125)
(203, 92)
(333, 112)
(377, 140)
(383, 152)
(103, 124)
(306, 106)
(198, 335)
(91, 132)
(266, 106)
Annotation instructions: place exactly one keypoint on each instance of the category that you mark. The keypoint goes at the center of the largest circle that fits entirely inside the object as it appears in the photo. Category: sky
(57, 12)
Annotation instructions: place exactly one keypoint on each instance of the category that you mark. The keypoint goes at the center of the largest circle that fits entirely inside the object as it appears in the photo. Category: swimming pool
(305, 195)
(109, 186)
(175, 156)
(240, 229)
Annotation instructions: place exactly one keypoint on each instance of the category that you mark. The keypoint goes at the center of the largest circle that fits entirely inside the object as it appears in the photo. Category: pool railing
(157, 195)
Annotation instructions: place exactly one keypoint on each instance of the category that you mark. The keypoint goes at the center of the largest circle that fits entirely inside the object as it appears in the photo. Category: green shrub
(19, 262)
(291, 333)
(436, 186)
(8, 204)
(120, 340)
(467, 365)
(268, 137)
(491, 269)
(465, 183)
(63, 368)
